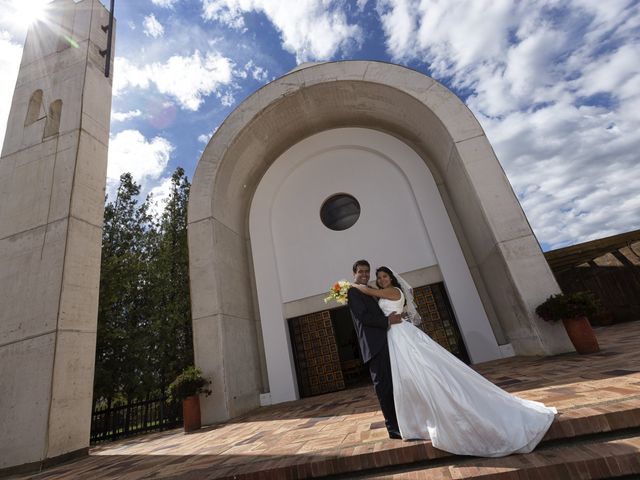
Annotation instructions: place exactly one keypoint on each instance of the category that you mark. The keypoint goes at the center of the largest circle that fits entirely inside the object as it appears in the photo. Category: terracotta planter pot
(191, 413)
(581, 335)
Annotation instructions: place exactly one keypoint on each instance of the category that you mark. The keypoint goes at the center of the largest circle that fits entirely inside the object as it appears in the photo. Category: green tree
(172, 332)
(123, 319)
(144, 315)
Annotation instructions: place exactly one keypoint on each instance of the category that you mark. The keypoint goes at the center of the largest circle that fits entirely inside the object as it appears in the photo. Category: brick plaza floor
(343, 433)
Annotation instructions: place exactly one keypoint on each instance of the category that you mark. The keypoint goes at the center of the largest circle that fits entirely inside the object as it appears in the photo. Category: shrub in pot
(573, 310)
(188, 386)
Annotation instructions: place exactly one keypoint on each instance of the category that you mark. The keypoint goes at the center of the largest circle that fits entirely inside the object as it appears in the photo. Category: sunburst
(25, 12)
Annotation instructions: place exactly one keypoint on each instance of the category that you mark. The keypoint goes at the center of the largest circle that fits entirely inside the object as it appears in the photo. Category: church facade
(331, 163)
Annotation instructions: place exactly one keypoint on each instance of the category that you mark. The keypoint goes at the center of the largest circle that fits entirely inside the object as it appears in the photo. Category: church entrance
(355, 373)
(326, 353)
(438, 320)
(325, 347)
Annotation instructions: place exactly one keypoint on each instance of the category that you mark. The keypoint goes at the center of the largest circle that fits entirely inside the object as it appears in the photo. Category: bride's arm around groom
(360, 307)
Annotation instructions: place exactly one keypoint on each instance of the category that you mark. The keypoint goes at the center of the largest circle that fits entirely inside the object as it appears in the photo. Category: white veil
(412, 311)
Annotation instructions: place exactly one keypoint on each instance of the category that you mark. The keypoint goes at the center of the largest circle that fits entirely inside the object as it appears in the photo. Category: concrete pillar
(52, 184)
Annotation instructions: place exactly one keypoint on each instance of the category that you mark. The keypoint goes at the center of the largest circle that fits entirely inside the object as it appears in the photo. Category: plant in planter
(188, 386)
(573, 309)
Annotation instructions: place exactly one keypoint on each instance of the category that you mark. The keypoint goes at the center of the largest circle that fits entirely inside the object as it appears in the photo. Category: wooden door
(438, 320)
(316, 354)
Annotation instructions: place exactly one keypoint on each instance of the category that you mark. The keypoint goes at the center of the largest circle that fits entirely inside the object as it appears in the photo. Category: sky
(554, 84)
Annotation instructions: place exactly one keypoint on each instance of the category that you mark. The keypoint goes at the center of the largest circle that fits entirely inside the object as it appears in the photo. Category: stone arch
(503, 255)
(34, 109)
(52, 127)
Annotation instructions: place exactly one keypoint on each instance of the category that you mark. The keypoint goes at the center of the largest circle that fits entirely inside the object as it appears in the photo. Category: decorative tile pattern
(437, 318)
(316, 354)
(341, 433)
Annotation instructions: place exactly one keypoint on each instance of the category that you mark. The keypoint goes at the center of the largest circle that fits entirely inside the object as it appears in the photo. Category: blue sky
(555, 85)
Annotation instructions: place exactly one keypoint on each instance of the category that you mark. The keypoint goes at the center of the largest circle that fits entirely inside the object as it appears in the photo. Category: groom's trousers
(380, 370)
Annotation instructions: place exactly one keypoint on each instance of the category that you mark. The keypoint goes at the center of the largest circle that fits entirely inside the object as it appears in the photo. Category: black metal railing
(134, 418)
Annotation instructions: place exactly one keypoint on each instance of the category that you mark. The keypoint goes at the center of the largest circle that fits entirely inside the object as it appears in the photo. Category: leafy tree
(124, 295)
(144, 315)
(171, 322)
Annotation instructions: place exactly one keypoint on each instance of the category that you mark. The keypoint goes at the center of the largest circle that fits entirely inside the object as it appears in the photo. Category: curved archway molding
(503, 256)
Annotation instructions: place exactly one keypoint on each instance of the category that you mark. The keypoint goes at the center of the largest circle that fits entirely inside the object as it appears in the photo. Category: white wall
(403, 224)
(390, 230)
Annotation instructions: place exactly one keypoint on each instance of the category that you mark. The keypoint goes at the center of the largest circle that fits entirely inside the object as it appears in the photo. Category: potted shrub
(188, 386)
(573, 309)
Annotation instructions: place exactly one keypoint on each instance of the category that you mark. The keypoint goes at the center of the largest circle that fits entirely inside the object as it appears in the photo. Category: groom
(371, 327)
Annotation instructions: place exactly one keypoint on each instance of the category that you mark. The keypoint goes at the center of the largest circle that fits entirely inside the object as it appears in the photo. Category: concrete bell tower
(52, 185)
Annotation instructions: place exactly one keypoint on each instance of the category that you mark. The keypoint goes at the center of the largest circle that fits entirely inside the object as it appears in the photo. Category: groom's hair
(359, 263)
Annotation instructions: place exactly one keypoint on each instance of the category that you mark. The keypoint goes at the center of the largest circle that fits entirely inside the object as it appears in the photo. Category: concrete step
(584, 460)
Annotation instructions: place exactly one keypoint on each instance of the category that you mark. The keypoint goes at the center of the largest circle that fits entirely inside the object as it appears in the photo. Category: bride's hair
(394, 280)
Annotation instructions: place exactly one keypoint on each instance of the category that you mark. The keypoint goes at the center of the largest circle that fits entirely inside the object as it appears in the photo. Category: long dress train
(440, 398)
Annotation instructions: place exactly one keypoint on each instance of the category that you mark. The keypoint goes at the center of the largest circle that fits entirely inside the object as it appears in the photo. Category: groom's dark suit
(371, 327)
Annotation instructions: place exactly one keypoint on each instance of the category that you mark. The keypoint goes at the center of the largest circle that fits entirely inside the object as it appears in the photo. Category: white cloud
(159, 196)
(130, 151)
(123, 116)
(258, 73)
(226, 99)
(205, 137)
(164, 3)
(152, 27)
(126, 75)
(10, 54)
(312, 30)
(556, 87)
(188, 79)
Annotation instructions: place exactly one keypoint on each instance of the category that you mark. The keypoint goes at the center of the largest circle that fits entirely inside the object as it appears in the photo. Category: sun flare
(26, 12)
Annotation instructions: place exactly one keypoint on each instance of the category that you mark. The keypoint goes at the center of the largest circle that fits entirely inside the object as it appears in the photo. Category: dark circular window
(340, 211)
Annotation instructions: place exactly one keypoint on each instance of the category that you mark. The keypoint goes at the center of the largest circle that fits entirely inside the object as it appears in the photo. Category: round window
(340, 211)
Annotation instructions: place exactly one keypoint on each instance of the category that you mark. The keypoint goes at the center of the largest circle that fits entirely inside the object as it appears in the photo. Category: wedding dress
(440, 398)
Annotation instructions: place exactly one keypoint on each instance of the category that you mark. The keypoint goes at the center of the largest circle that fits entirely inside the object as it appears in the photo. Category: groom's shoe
(395, 435)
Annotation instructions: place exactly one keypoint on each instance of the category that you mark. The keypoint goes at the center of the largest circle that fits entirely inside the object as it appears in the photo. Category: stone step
(601, 418)
(586, 460)
(569, 427)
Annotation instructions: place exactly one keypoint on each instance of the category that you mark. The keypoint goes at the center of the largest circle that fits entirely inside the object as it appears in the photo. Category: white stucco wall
(389, 230)
(403, 224)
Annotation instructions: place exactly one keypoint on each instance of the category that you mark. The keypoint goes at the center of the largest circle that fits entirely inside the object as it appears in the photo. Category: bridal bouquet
(338, 292)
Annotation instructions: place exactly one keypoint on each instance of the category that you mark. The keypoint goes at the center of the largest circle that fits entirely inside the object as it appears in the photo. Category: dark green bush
(189, 382)
(561, 306)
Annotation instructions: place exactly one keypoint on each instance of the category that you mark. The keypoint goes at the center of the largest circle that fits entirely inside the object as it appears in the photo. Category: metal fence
(135, 417)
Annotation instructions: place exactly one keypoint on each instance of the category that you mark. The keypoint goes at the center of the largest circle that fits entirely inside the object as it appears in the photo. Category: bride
(440, 398)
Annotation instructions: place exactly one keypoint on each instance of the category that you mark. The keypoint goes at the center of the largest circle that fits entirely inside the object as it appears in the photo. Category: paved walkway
(344, 432)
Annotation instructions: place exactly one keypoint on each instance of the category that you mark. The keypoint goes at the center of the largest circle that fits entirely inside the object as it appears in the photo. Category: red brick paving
(589, 461)
(343, 432)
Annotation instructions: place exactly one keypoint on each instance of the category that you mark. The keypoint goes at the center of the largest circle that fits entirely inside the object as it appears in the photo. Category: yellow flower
(338, 292)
